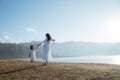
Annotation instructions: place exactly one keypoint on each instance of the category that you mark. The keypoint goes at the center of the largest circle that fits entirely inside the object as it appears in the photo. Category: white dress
(32, 54)
(46, 52)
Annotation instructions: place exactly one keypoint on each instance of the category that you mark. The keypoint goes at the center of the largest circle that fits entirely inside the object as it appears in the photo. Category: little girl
(32, 53)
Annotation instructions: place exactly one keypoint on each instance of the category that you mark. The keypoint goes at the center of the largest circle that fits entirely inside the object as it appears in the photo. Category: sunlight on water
(87, 59)
(116, 60)
(91, 59)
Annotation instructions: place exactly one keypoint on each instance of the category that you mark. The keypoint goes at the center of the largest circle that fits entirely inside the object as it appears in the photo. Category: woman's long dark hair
(48, 36)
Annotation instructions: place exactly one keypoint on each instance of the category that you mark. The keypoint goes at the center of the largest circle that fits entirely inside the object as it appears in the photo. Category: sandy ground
(24, 70)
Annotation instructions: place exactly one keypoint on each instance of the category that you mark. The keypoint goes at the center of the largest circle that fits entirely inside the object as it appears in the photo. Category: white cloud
(9, 39)
(30, 29)
(7, 33)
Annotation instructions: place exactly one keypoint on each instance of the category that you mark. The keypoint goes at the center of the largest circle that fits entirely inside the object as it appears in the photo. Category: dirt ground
(24, 70)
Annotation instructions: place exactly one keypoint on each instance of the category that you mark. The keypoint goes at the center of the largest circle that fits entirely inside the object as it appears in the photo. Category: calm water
(88, 59)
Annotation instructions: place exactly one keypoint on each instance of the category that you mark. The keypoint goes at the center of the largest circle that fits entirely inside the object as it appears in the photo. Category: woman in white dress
(46, 52)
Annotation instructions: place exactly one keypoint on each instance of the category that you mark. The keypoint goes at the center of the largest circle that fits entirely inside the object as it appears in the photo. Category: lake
(88, 59)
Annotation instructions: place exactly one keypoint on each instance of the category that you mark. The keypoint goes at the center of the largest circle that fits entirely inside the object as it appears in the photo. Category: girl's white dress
(32, 54)
(46, 52)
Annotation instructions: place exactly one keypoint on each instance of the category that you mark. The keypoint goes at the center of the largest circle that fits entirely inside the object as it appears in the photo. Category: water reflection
(91, 59)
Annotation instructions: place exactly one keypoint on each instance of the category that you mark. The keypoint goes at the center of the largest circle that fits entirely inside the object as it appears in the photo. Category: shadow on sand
(20, 69)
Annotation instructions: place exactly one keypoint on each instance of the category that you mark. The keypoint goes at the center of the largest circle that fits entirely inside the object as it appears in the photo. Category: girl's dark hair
(48, 36)
(31, 47)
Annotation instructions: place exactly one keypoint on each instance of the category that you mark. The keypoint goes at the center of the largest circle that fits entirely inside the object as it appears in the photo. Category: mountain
(85, 49)
(12, 50)
(66, 49)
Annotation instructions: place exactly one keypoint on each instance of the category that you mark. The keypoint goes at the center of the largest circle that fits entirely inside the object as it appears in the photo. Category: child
(32, 53)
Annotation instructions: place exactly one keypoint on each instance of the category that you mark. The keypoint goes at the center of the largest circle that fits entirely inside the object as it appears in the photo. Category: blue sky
(65, 20)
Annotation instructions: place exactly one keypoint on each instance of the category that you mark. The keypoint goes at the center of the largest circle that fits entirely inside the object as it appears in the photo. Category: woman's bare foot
(45, 63)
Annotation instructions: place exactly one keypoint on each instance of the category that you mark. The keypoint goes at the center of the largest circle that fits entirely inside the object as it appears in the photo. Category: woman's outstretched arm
(53, 40)
(40, 43)
(37, 46)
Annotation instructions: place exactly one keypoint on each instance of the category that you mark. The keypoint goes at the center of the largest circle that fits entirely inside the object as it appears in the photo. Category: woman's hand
(38, 45)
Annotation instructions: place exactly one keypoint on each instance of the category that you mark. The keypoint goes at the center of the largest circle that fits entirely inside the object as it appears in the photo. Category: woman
(46, 53)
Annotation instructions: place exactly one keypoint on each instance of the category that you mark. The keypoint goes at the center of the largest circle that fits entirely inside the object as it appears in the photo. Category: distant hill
(66, 49)
(12, 50)
(85, 49)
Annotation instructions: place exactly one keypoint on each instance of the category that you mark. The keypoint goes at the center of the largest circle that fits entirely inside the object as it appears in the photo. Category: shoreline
(86, 59)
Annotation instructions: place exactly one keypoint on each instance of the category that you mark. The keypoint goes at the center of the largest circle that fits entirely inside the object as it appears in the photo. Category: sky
(65, 20)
